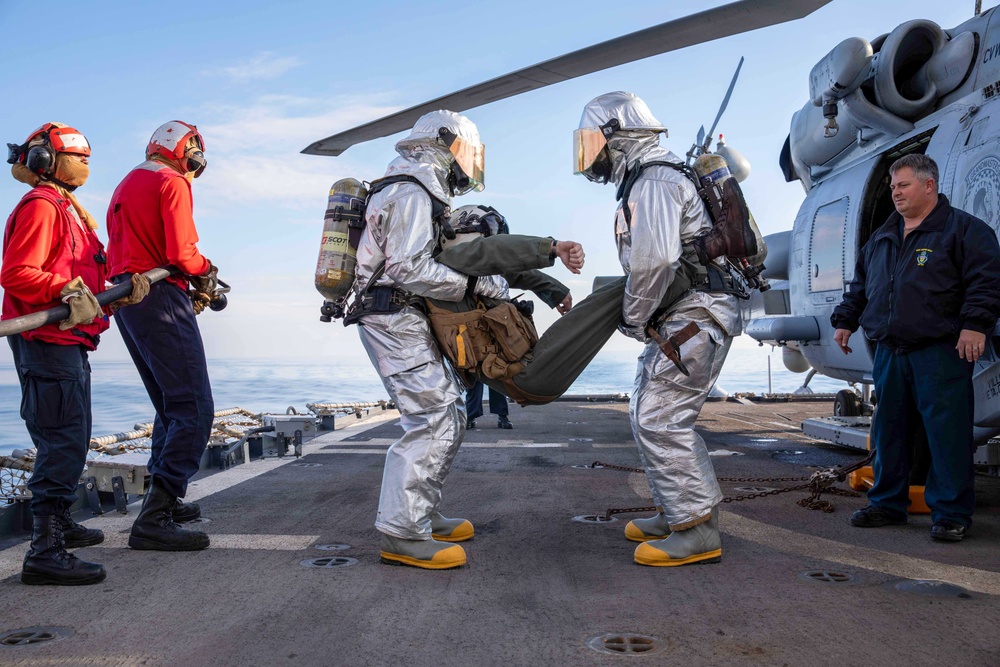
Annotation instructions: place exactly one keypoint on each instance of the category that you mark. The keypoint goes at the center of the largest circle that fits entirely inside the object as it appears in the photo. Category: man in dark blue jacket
(926, 289)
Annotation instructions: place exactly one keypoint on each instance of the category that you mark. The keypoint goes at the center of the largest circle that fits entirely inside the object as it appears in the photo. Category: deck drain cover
(826, 577)
(594, 518)
(930, 588)
(753, 489)
(34, 635)
(327, 562)
(618, 643)
(332, 547)
(307, 465)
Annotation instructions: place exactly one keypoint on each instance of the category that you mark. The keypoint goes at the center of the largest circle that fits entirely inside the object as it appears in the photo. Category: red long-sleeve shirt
(151, 224)
(45, 245)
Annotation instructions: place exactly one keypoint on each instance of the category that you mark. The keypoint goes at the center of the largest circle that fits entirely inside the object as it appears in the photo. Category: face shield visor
(470, 160)
(590, 151)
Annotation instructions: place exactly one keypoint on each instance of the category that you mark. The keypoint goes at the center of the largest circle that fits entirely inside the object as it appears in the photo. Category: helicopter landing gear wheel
(847, 404)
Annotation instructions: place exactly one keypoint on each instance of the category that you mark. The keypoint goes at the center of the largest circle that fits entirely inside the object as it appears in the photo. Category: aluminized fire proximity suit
(400, 233)
(666, 212)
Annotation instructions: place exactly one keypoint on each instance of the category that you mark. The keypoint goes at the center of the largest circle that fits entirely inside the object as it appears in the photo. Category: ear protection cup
(40, 160)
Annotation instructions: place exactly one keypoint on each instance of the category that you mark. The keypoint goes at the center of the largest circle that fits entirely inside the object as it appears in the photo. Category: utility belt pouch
(461, 336)
(495, 367)
(382, 300)
(514, 333)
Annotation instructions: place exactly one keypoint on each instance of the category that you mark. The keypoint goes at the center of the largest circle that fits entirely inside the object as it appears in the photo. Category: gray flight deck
(539, 587)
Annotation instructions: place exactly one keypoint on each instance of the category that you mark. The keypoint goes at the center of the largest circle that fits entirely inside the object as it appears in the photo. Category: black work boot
(47, 562)
(874, 517)
(75, 535)
(154, 529)
(182, 511)
(734, 235)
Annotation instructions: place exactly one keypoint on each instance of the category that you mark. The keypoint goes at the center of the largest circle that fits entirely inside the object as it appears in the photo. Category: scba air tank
(337, 261)
(711, 169)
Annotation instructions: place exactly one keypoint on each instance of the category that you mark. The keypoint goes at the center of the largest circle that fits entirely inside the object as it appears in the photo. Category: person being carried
(472, 224)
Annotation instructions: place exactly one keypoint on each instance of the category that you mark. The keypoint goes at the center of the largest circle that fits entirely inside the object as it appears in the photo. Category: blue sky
(263, 79)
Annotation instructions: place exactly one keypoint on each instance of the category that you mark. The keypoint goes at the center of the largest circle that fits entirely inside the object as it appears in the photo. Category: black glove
(208, 283)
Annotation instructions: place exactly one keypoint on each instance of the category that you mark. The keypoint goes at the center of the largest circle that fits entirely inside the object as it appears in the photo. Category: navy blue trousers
(162, 337)
(55, 406)
(933, 385)
(474, 402)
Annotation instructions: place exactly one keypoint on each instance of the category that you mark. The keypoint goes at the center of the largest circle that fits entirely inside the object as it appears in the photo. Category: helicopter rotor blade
(722, 108)
(705, 26)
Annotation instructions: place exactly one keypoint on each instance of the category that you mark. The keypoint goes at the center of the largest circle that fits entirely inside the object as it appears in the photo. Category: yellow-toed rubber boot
(444, 529)
(655, 527)
(698, 544)
(426, 554)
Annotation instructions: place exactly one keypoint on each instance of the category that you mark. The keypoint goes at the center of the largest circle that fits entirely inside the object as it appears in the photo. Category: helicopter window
(827, 246)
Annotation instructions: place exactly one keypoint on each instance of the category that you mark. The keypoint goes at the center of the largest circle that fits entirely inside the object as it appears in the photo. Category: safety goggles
(470, 157)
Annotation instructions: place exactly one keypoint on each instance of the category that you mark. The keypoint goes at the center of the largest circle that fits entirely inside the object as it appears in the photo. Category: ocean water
(260, 385)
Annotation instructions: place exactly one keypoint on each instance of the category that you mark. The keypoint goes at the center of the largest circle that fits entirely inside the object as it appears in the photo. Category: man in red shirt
(51, 253)
(150, 224)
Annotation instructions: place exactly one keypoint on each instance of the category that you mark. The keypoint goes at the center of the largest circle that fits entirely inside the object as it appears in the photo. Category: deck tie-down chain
(818, 483)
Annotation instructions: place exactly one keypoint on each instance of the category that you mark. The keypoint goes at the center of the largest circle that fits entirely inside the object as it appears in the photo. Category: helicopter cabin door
(826, 252)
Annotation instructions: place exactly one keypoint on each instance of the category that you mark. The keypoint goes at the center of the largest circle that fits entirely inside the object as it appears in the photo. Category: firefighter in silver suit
(441, 158)
(617, 134)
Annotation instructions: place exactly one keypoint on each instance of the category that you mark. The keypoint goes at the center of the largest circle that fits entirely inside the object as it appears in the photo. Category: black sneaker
(874, 517)
(947, 531)
(470, 424)
(503, 422)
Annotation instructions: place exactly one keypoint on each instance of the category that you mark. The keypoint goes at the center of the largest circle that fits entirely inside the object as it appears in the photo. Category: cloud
(254, 149)
(264, 65)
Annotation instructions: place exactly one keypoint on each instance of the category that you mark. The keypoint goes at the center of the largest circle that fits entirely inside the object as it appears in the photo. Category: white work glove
(494, 287)
(637, 332)
(83, 306)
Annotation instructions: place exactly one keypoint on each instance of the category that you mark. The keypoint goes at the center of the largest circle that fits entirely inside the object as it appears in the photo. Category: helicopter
(917, 88)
